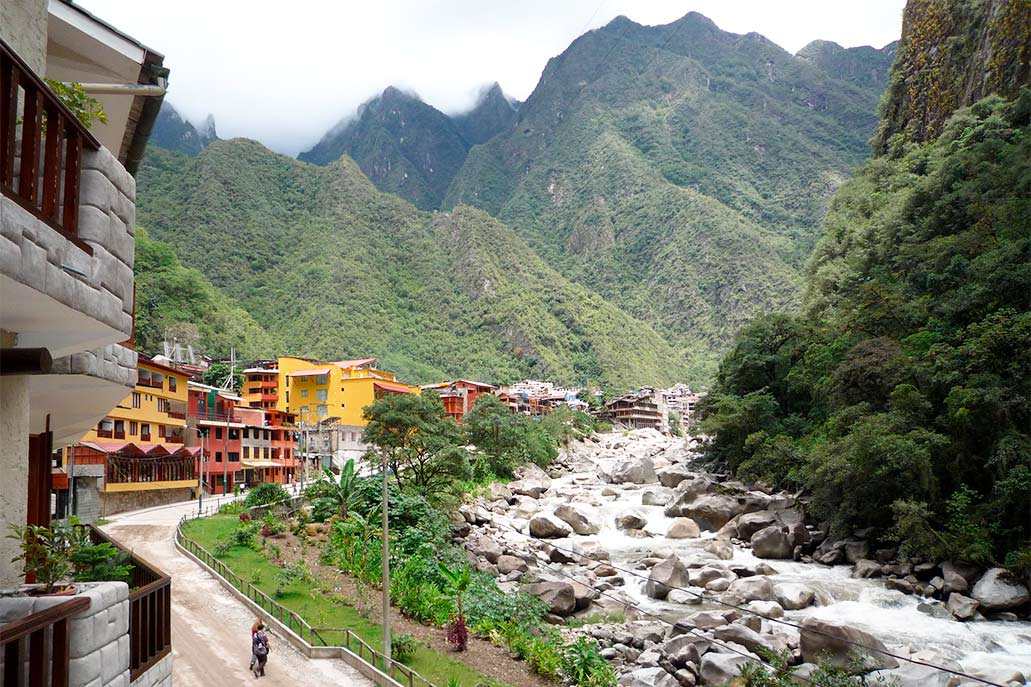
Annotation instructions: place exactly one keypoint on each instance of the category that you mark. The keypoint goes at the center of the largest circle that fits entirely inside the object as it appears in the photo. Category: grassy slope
(336, 268)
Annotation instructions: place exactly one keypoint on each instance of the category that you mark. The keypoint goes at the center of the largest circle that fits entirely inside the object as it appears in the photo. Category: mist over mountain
(172, 132)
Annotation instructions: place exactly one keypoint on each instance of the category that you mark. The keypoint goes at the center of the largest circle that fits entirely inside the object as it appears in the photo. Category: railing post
(59, 654)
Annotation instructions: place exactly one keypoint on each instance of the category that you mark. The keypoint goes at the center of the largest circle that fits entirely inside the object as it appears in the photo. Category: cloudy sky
(285, 77)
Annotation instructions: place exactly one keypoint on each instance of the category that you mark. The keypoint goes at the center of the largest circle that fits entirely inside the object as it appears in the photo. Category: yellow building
(154, 413)
(317, 391)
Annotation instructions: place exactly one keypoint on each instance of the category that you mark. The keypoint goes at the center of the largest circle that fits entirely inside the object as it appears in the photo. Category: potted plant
(46, 555)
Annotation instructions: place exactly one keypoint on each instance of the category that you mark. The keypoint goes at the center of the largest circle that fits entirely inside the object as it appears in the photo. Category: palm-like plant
(337, 496)
(458, 582)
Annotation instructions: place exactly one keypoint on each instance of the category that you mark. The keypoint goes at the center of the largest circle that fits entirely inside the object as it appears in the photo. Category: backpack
(260, 644)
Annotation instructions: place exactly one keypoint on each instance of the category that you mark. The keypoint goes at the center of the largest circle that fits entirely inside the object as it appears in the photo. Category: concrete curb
(349, 657)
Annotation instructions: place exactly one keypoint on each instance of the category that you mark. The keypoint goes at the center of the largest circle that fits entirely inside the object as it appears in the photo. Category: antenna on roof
(227, 384)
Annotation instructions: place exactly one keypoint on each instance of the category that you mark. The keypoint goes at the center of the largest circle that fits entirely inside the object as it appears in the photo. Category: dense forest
(899, 394)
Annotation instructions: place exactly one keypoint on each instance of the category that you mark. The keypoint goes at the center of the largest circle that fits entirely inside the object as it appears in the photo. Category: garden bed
(331, 600)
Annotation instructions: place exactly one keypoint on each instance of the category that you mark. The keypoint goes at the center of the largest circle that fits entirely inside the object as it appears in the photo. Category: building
(678, 399)
(636, 410)
(459, 396)
(67, 248)
(216, 427)
(261, 386)
(110, 464)
(329, 399)
(533, 397)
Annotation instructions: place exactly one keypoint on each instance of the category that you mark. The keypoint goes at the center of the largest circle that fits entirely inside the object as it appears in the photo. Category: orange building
(459, 396)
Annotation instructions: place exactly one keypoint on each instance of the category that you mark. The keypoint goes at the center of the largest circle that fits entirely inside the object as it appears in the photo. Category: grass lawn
(308, 601)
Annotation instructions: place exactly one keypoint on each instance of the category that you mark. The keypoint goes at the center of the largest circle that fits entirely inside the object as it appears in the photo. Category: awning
(392, 387)
(312, 372)
(348, 364)
(260, 464)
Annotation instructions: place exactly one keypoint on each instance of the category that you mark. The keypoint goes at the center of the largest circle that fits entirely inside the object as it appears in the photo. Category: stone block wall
(37, 255)
(115, 363)
(159, 675)
(99, 647)
(120, 501)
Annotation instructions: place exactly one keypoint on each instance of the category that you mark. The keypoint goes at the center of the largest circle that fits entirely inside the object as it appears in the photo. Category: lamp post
(386, 566)
(202, 434)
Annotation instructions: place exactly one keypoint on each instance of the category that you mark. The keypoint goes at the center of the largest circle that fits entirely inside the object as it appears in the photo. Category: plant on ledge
(45, 552)
(100, 563)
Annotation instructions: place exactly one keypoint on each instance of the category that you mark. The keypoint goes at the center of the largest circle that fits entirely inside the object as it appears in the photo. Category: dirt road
(210, 627)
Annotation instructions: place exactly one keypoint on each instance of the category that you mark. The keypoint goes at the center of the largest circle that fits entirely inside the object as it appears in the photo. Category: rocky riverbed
(702, 569)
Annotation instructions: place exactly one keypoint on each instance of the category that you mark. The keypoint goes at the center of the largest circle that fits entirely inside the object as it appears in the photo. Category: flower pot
(67, 590)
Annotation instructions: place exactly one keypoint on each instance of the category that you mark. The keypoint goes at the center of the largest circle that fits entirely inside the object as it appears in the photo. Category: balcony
(177, 414)
(150, 611)
(106, 433)
(118, 434)
(47, 635)
(174, 439)
(145, 436)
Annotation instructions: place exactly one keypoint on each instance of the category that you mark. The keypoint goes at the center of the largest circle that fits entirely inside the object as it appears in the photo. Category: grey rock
(547, 526)
(577, 519)
(794, 596)
(648, 677)
(488, 548)
(673, 475)
(1000, 590)
(757, 588)
(559, 596)
(656, 497)
(683, 528)
(631, 520)
(865, 568)
(716, 669)
(830, 641)
(511, 564)
(665, 576)
(750, 523)
(772, 542)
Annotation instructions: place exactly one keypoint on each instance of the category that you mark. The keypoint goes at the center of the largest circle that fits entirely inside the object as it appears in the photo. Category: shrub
(457, 632)
(101, 563)
(266, 494)
(271, 524)
(583, 664)
(232, 508)
(402, 647)
(544, 657)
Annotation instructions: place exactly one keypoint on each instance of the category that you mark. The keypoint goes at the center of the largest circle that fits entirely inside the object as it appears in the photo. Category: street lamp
(202, 434)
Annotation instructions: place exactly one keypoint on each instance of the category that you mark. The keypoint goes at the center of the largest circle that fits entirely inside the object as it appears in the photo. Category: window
(304, 393)
(234, 434)
(288, 382)
(134, 428)
(266, 453)
(218, 456)
(234, 457)
(246, 452)
(322, 379)
(303, 410)
(171, 383)
(288, 396)
(145, 430)
(135, 399)
(218, 432)
(162, 405)
(323, 412)
(322, 394)
(246, 433)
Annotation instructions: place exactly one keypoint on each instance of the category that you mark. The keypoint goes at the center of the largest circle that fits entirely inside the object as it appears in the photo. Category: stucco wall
(14, 465)
(23, 26)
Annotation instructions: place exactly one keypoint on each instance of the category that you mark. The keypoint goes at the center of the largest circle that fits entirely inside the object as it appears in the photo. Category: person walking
(254, 631)
(260, 649)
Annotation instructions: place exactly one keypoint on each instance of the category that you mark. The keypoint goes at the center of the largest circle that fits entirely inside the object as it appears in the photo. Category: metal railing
(48, 639)
(150, 610)
(310, 635)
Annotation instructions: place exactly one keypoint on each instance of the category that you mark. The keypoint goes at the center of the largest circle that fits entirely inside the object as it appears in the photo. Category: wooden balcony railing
(118, 434)
(150, 611)
(144, 436)
(177, 414)
(37, 128)
(45, 635)
(106, 433)
(173, 439)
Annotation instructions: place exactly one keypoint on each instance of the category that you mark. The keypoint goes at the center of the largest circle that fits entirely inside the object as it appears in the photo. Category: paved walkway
(210, 627)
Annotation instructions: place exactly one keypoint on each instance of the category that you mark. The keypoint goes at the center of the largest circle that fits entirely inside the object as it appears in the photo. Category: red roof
(312, 372)
(391, 386)
(110, 447)
(348, 364)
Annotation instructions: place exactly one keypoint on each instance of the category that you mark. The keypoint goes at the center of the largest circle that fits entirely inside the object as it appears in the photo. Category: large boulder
(710, 511)
(750, 523)
(961, 607)
(634, 470)
(673, 475)
(577, 519)
(758, 588)
(748, 638)
(700, 577)
(718, 669)
(687, 648)
(665, 576)
(656, 496)
(793, 596)
(511, 564)
(525, 507)
(487, 547)
(835, 644)
(560, 596)
(649, 677)
(1000, 590)
(631, 520)
(547, 526)
(683, 528)
(771, 542)
(532, 482)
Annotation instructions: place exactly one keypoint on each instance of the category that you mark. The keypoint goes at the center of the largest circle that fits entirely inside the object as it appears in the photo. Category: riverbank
(709, 571)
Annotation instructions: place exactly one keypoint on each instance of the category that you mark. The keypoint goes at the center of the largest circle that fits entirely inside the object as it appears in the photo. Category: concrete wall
(14, 465)
(23, 26)
(159, 675)
(99, 648)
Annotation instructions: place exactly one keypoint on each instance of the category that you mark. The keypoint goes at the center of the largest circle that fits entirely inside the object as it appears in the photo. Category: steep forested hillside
(174, 302)
(680, 170)
(336, 268)
(492, 114)
(900, 395)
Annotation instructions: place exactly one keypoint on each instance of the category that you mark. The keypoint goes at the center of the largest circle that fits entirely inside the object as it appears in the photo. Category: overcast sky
(284, 76)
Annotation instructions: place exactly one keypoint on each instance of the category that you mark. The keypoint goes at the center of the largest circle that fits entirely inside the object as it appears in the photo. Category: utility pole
(386, 566)
(228, 384)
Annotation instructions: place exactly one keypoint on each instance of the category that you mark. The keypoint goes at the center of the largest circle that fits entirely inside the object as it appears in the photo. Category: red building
(214, 424)
(459, 396)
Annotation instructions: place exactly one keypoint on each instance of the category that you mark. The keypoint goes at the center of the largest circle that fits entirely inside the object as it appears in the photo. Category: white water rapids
(979, 647)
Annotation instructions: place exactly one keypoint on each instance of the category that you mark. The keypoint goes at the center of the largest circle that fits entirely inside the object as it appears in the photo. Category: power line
(743, 609)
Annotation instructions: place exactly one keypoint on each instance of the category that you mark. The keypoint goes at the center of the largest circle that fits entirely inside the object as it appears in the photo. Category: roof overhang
(85, 49)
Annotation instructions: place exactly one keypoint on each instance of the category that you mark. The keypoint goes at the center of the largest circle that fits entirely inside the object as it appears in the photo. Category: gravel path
(210, 627)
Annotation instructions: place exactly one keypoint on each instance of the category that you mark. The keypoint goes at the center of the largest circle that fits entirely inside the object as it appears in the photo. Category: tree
(329, 495)
(497, 432)
(217, 373)
(422, 446)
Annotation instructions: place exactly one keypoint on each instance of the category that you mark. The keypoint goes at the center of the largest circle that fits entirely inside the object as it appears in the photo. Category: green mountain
(402, 144)
(864, 66)
(680, 170)
(492, 114)
(899, 396)
(174, 302)
(172, 132)
(335, 268)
